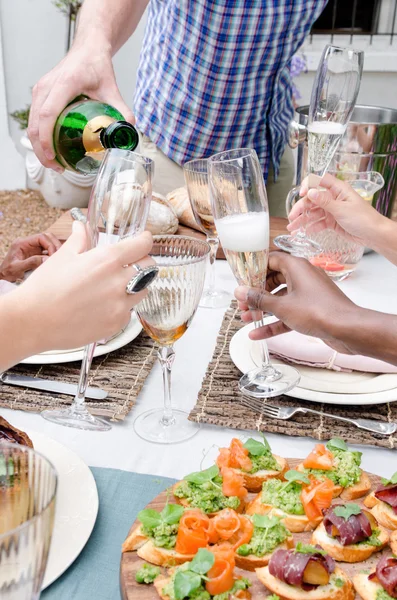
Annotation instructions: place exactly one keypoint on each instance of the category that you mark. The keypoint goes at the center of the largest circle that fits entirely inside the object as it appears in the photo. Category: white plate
(76, 505)
(244, 356)
(129, 334)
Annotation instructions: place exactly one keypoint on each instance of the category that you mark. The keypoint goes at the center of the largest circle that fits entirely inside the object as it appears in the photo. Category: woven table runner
(218, 402)
(121, 373)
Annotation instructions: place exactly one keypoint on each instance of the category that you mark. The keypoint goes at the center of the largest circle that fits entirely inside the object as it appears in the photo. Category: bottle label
(91, 135)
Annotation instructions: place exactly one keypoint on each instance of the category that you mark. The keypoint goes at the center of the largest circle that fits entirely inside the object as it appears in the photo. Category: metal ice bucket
(369, 144)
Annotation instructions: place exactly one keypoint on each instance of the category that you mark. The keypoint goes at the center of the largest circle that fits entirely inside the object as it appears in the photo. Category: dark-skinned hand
(26, 254)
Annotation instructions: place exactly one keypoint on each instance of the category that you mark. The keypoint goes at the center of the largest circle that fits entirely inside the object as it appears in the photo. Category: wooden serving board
(62, 229)
(131, 563)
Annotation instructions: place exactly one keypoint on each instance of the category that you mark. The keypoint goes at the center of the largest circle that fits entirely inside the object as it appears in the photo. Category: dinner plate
(76, 505)
(130, 333)
(320, 385)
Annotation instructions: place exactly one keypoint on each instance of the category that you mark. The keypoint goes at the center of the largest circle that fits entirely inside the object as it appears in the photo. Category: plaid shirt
(214, 75)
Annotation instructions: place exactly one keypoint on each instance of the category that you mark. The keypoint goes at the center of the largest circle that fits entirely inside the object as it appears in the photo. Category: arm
(104, 26)
(313, 305)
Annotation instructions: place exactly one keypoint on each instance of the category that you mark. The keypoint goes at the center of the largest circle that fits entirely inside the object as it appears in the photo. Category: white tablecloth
(373, 285)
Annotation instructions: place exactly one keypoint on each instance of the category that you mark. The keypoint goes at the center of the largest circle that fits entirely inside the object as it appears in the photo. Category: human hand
(26, 254)
(310, 304)
(87, 70)
(338, 207)
(79, 297)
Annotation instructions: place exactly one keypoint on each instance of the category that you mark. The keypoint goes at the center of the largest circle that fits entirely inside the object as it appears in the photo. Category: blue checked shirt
(214, 75)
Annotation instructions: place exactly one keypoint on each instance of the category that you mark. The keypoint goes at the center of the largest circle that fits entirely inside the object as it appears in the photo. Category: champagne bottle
(85, 129)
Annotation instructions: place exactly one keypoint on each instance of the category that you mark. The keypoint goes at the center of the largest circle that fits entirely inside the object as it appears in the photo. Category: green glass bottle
(85, 129)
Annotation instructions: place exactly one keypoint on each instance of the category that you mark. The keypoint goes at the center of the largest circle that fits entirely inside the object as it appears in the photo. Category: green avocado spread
(283, 496)
(261, 456)
(163, 536)
(204, 490)
(381, 594)
(147, 574)
(346, 471)
(268, 533)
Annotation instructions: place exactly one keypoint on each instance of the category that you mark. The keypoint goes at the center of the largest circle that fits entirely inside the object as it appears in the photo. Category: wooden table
(63, 226)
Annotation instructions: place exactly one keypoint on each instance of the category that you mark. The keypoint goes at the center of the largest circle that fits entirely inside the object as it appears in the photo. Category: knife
(49, 385)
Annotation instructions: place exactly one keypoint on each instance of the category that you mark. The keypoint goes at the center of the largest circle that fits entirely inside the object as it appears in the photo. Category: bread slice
(160, 582)
(350, 554)
(254, 481)
(134, 540)
(323, 592)
(252, 562)
(294, 523)
(353, 492)
(161, 556)
(393, 542)
(382, 512)
(185, 503)
(366, 588)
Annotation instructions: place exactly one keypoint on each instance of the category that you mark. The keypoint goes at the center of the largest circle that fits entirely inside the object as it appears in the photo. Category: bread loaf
(162, 217)
(180, 202)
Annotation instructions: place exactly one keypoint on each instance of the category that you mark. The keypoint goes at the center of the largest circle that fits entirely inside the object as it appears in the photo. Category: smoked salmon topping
(235, 457)
(316, 497)
(220, 576)
(233, 483)
(193, 532)
(319, 458)
(230, 527)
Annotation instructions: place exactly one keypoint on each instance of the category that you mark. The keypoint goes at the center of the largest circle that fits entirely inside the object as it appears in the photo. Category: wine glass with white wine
(334, 95)
(118, 209)
(196, 177)
(240, 208)
(166, 313)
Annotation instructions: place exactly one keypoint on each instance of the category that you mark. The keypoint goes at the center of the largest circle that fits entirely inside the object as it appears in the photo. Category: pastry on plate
(350, 534)
(299, 501)
(336, 462)
(305, 573)
(254, 460)
(381, 584)
(383, 502)
(9, 433)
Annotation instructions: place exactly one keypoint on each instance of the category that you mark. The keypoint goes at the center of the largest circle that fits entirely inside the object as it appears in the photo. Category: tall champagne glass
(28, 487)
(166, 313)
(196, 177)
(118, 208)
(333, 98)
(240, 208)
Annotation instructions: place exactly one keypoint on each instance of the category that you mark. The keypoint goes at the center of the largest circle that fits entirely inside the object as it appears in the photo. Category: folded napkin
(305, 350)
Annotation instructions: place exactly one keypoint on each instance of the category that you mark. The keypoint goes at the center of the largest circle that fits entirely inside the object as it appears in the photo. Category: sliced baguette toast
(365, 587)
(185, 503)
(252, 562)
(253, 482)
(353, 492)
(294, 523)
(323, 592)
(350, 554)
(382, 512)
(393, 542)
(135, 540)
(161, 556)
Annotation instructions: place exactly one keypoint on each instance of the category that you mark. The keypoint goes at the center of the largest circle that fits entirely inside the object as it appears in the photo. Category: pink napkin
(309, 351)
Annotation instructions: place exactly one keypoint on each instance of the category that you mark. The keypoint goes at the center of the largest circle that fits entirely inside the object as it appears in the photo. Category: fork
(285, 413)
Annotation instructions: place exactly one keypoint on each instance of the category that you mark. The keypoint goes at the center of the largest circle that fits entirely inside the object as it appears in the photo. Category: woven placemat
(218, 402)
(121, 373)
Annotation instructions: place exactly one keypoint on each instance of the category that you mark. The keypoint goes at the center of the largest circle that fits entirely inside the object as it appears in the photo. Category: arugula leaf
(149, 518)
(337, 444)
(185, 583)
(171, 513)
(308, 549)
(265, 522)
(393, 479)
(293, 475)
(201, 477)
(347, 510)
(202, 562)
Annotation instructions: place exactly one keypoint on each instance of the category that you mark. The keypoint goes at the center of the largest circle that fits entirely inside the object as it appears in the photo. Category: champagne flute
(166, 313)
(196, 177)
(240, 208)
(333, 98)
(118, 208)
(28, 487)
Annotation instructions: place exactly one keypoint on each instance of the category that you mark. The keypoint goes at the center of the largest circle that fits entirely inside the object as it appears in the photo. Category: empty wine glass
(240, 208)
(118, 208)
(28, 486)
(166, 313)
(333, 98)
(196, 177)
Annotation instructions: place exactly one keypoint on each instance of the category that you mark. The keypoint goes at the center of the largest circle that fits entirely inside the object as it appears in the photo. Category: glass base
(258, 384)
(215, 299)
(149, 427)
(297, 246)
(80, 419)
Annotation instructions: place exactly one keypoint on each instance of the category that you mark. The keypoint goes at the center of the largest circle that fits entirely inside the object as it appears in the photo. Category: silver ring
(142, 279)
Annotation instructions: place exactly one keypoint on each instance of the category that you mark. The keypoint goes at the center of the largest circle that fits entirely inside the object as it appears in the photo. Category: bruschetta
(383, 503)
(381, 583)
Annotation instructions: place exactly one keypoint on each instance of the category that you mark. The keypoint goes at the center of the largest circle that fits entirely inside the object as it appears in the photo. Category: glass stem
(267, 369)
(214, 244)
(79, 400)
(166, 356)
